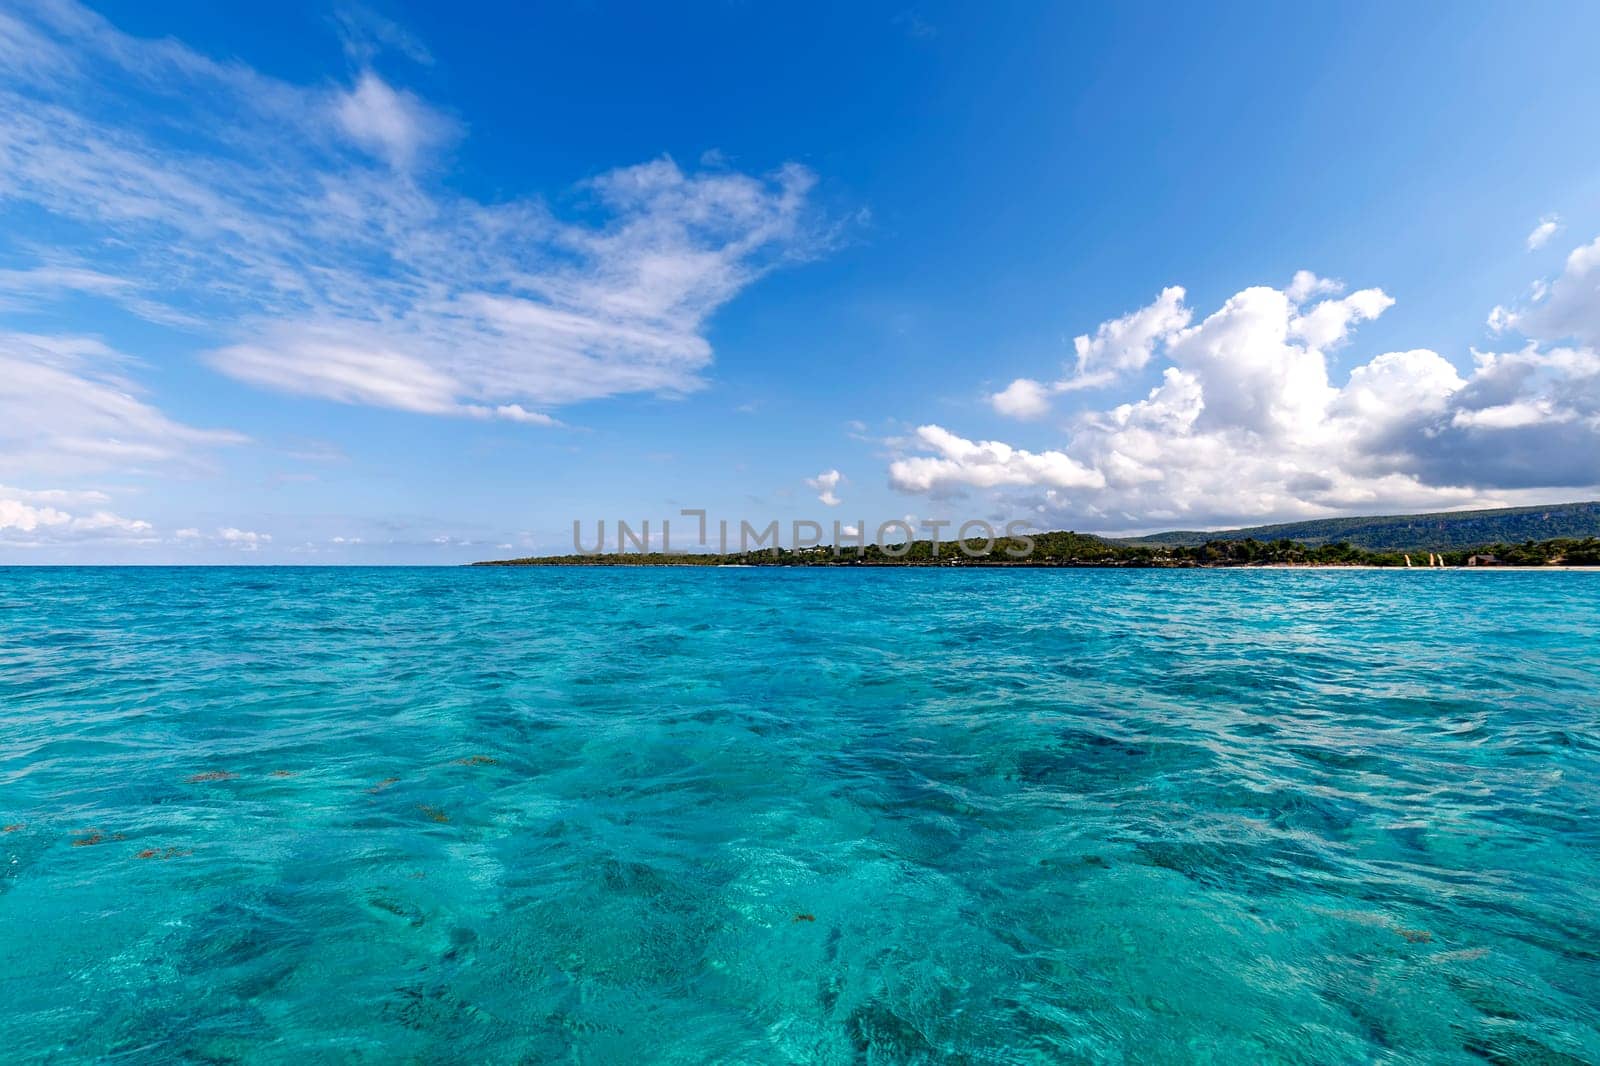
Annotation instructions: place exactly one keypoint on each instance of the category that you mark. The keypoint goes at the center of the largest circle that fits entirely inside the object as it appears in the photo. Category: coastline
(566, 562)
(1069, 549)
(1425, 569)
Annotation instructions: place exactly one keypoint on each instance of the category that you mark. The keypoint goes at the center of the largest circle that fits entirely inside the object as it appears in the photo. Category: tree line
(1080, 549)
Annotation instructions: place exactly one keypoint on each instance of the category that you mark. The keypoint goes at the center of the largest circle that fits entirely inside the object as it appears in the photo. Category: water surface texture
(757, 816)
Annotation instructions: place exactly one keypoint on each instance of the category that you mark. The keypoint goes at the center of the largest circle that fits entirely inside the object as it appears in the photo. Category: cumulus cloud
(985, 464)
(1327, 324)
(1543, 232)
(1246, 422)
(1127, 343)
(1119, 346)
(243, 539)
(39, 517)
(233, 537)
(1023, 398)
(298, 227)
(825, 483)
(1305, 285)
(1566, 308)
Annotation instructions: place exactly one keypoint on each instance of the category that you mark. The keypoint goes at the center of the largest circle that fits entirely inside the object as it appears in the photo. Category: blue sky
(357, 284)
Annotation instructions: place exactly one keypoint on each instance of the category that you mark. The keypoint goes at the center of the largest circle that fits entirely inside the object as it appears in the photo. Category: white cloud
(1396, 386)
(984, 464)
(1566, 308)
(392, 123)
(515, 412)
(1513, 415)
(1327, 324)
(1543, 232)
(1246, 423)
(1119, 346)
(244, 539)
(1023, 398)
(34, 517)
(235, 539)
(322, 271)
(366, 33)
(1250, 370)
(55, 279)
(65, 408)
(29, 290)
(825, 483)
(1126, 343)
(1306, 285)
(56, 497)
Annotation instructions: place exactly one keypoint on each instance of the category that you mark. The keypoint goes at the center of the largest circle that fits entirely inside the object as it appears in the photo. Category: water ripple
(775, 816)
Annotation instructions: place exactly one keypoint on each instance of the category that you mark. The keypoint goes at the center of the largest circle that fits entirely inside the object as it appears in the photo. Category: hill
(1440, 531)
(1563, 533)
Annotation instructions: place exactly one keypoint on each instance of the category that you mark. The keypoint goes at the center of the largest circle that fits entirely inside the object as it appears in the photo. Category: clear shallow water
(786, 816)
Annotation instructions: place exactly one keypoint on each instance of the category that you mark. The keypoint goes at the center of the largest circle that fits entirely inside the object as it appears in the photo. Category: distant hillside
(1443, 531)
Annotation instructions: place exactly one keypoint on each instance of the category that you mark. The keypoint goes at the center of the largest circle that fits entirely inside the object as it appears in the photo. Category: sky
(328, 283)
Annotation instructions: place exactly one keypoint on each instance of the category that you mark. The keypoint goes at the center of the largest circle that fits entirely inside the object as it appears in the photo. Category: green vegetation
(1079, 549)
(1444, 531)
(1561, 533)
(1563, 551)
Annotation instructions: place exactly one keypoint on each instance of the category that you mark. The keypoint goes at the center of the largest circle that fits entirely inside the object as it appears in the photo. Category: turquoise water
(628, 816)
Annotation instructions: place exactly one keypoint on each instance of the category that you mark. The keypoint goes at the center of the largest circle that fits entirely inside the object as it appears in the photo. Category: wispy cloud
(366, 34)
(67, 408)
(392, 123)
(308, 229)
(912, 24)
(1542, 233)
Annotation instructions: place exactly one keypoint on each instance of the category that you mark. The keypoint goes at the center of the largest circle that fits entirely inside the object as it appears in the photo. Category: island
(1553, 535)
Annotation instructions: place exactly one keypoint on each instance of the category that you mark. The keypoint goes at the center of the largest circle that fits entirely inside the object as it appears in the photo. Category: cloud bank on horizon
(1248, 423)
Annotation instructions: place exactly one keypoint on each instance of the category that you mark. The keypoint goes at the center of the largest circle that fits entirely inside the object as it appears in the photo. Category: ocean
(795, 816)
